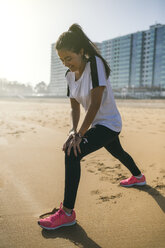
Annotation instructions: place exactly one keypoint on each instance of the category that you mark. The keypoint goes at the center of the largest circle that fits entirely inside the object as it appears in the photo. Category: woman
(88, 85)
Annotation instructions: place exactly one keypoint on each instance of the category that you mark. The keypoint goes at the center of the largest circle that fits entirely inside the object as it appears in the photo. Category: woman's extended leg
(117, 151)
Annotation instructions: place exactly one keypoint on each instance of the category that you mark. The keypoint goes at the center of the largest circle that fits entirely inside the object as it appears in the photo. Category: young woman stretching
(88, 85)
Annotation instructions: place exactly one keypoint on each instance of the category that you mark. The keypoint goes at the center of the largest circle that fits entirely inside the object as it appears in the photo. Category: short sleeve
(68, 91)
(98, 73)
(68, 84)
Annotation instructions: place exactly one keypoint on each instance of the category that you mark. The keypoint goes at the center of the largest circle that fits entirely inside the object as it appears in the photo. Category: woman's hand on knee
(75, 144)
(67, 142)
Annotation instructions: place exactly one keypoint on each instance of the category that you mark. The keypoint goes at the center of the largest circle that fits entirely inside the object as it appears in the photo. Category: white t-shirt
(94, 75)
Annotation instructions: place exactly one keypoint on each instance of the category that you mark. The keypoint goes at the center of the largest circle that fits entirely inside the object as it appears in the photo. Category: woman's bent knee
(72, 156)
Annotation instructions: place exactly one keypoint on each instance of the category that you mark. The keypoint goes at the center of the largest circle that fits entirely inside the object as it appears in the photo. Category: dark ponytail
(75, 39)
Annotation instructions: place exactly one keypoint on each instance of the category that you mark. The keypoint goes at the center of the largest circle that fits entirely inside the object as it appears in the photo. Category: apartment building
(136, 60)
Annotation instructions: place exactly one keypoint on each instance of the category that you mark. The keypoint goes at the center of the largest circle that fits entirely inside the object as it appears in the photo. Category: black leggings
(95, 138)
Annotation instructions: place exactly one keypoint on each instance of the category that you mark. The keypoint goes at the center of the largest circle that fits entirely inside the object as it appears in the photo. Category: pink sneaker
(58, 220)
(133, 181)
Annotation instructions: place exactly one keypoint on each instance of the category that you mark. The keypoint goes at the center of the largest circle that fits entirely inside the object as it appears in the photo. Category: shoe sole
(134, 184)
(54, 228)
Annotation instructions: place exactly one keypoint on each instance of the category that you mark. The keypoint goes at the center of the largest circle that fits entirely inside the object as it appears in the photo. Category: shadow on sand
(79, 237)
(75, 234)
(158, 197)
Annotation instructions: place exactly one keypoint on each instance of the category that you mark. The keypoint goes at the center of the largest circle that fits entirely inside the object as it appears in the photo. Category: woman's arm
(96, 97)
(75, 114)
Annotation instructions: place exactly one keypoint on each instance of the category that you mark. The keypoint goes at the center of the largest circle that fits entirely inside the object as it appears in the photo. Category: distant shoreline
(145, 103)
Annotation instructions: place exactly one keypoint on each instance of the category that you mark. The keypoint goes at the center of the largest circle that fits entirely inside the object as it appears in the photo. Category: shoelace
(58, 213)
(52, 212)
(49, 213)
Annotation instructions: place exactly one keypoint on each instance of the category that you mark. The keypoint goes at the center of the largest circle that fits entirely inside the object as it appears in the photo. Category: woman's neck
(79, 72)
(81, 69)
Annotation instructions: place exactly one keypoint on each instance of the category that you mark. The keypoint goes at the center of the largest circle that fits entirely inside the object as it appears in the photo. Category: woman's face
(70, 59)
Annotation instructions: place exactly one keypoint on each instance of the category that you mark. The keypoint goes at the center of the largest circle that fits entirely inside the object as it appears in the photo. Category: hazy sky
(29, 27)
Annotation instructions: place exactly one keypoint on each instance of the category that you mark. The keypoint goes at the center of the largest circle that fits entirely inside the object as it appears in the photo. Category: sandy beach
(108, 215)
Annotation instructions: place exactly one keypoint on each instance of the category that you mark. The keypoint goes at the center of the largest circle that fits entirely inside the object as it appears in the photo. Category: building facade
(136, 60)
(57, 86)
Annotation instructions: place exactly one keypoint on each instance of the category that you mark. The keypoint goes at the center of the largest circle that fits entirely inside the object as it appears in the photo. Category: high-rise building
(57, 86)
(136, 60)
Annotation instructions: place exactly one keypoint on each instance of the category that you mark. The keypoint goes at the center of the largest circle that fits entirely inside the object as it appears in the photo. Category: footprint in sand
(105, 178)
(90, 170)
(114, 179)
(16, 132)
(95, 192)
(120, 177)
(105, 198)
(108, 198)
(151, 165)
(162, 171)
(160, 186)
(100, 164)
(118, 166)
